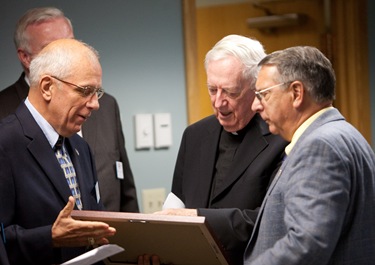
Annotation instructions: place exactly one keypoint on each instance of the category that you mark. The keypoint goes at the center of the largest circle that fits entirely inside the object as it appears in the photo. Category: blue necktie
(68, 168)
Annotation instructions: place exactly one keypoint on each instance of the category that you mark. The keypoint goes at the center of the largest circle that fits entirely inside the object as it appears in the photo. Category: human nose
(256, 106)
(220, 98)
(93, 102)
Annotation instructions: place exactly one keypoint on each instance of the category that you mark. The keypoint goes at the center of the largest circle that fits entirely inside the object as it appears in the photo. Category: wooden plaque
(177, 240)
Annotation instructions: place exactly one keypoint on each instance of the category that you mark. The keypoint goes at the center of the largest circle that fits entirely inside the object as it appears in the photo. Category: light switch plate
(163, 130)
(144, 137)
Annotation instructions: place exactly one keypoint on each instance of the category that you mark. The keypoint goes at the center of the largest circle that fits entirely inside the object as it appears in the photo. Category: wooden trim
(350, 61)
(191, 57)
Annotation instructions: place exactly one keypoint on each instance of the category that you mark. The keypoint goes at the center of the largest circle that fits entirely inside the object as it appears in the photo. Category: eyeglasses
(86, 91)
(259, 94)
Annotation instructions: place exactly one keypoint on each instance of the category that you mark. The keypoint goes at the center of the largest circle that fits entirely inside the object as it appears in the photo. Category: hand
(148, 260)
(180, 211)
(67, 232)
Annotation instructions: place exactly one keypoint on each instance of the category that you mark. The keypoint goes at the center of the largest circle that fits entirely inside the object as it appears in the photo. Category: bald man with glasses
(103, 131)
(46, 169)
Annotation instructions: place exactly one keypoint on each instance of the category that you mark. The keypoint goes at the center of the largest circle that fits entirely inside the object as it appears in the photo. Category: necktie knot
(59, 143)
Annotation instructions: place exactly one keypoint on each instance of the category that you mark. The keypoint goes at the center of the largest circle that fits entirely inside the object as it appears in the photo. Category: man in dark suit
(103, 131)
(226, 161)
(65, 86)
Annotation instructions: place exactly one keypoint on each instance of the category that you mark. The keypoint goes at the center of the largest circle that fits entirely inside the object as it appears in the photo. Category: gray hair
(21, 38)
(307, 65)
(247, 50)
(58, 62)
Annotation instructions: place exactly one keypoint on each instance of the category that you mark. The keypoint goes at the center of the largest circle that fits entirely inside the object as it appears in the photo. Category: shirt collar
(50, 133)
(302, 128)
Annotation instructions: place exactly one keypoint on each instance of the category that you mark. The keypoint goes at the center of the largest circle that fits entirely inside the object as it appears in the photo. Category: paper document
(95, 255)
(172, 201)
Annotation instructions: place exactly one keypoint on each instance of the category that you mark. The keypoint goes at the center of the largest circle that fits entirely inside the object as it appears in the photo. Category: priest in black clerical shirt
(226, 161)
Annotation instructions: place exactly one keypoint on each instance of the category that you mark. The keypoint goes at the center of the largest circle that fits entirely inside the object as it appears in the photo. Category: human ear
(46, 87)
(24, 58)
(298, 90)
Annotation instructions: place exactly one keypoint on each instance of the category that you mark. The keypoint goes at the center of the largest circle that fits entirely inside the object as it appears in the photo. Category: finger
(155, 260)
(64, 213)
(140, 260)
(100, 232)
(102, 241)
(93, 228)
(68, 208)
(146, 259)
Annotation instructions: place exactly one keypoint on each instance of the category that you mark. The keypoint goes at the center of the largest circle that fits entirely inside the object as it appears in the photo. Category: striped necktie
(68, 168)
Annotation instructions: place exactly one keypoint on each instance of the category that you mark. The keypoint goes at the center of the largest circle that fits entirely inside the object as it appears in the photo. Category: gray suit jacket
(103, 132)
(320, 208)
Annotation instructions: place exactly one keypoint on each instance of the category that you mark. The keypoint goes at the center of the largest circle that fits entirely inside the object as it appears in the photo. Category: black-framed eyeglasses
(259, 94)
(84, 91)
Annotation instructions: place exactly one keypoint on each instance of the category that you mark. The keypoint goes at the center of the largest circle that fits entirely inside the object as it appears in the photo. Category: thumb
(68, 207)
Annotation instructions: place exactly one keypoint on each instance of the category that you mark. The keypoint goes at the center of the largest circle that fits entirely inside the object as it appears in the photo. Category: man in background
(46, 169)
(226, 161)
(320, 208)
(103, 130)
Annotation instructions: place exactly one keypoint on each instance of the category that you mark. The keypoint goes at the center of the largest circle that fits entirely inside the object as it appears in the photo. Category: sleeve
(25, 246)
(232, 228)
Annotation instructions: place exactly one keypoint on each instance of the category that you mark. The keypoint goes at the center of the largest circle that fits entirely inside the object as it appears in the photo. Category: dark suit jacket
(103, 132)
(33, 188)
(12, 96)
(256, 160)
(3, 254)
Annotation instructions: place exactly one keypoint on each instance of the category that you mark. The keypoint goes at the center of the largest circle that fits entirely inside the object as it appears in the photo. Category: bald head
(60, 77)
(63, 57)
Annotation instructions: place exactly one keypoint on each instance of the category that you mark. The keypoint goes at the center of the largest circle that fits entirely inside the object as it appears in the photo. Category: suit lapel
(254, 234)
(41, 150)
(252, 144)
(45, 156)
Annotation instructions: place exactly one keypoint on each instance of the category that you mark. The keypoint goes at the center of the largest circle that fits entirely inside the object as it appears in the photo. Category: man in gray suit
(319, 208)
(103, 131)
